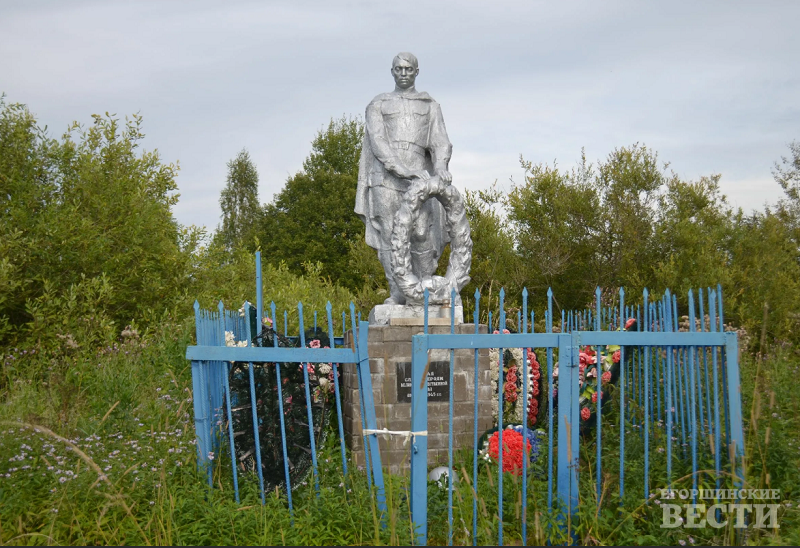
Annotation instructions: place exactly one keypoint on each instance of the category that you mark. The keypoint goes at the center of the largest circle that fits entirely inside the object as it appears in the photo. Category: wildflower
(210, 455)
(152, 502)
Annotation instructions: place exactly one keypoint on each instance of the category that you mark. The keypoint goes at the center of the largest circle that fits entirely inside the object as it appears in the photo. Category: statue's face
(404, 74)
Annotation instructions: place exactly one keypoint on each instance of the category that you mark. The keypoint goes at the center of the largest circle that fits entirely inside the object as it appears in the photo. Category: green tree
(83, 217)
(495, 262)
(312, 220)
(693, 237)
(787, 172)
(239, 202)
(555, 223)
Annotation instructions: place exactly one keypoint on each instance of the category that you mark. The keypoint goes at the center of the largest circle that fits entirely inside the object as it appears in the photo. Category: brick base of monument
(390, 365)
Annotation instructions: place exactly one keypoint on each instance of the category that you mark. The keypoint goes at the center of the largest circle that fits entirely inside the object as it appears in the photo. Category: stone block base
(390, 356)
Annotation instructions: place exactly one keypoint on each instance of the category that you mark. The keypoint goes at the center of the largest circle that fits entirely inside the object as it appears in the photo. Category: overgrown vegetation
(97, 280)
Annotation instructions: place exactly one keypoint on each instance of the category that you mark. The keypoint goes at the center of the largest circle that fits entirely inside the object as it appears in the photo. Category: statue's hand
(444, 176)
(401, 171)
(421, 174)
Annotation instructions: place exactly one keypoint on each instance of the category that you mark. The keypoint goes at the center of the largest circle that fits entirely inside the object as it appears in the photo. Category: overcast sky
(713, 87)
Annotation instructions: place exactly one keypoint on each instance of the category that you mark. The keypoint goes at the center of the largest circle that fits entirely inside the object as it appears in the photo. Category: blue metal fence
(675, 383)
(211, 368)
(664, 365)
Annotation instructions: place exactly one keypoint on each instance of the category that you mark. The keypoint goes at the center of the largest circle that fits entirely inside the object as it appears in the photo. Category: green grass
(97, 447)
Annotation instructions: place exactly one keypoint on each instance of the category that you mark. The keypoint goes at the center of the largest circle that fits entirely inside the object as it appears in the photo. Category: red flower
(594, 397)
(616, 356)
(536, 375)
(606, 376)
(585, 413)
(512, 450)
(510, 391)
(511, 376)
(630, 322)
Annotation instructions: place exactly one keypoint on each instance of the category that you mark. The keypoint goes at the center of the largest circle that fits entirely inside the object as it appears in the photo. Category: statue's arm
(439, 144)
(376, 133)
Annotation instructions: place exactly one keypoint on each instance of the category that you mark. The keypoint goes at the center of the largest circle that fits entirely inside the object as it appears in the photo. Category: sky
(712, 87)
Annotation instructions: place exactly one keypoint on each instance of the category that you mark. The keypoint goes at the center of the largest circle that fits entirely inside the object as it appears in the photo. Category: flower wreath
(457, 275)
(588, 369)
(512, 447)
(513, 406)
(298, 445)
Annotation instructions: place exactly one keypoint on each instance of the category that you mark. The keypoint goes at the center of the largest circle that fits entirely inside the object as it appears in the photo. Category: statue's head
(405, 69)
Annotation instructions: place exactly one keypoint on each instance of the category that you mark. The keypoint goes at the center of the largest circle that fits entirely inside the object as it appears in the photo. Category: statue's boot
(395, 295)
(424, 262)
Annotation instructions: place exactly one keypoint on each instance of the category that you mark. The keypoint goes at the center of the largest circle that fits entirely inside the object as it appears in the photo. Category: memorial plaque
(438, 381)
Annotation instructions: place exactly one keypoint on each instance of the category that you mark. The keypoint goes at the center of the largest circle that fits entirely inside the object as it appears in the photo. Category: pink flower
(606, 376)
(585, 413)
(314, 344)
(616, 356)
(594, 397)
(630, 322)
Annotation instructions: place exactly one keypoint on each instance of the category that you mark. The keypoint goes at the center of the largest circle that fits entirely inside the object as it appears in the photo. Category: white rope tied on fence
(408, 434)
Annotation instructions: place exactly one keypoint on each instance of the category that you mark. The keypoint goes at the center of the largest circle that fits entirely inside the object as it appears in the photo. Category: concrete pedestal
(390, 366)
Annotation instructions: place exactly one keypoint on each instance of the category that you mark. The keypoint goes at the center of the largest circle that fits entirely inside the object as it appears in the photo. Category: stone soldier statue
(405, 141)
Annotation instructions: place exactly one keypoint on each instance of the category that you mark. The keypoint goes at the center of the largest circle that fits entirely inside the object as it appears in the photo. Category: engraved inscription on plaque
(438, 381)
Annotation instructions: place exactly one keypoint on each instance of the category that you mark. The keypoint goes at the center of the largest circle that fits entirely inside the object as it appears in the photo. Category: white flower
(325, 368)
(229, 339)
(323, 382)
